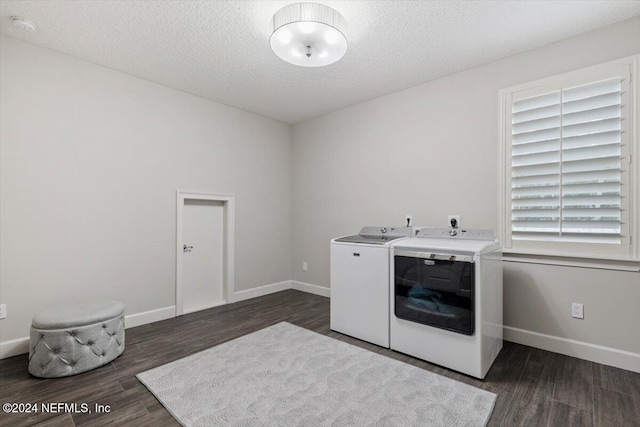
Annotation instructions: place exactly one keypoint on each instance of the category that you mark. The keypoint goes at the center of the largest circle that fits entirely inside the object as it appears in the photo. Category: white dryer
(446, 298)
(360, 283)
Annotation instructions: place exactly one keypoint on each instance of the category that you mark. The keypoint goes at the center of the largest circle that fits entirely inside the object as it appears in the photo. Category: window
(569, 186)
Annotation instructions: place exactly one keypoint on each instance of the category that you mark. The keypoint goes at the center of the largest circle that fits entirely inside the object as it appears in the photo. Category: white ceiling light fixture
(22, 23)
(309, 34)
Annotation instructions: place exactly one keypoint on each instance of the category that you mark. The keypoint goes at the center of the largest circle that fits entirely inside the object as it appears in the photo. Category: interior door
(203, 255)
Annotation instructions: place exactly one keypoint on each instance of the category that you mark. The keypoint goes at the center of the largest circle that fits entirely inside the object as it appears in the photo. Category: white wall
(90, 163)
(430, 151)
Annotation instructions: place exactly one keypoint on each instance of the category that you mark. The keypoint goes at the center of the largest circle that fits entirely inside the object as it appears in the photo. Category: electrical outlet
(408, 220)
(3, 311)
(457, 218)
(305, 266)
(577, 310)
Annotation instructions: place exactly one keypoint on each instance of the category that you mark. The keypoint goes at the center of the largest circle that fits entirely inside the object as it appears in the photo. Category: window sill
(597, 263)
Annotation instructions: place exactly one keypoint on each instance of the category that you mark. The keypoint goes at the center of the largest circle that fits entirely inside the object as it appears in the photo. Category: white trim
(581, 263)
(229, 242)
(137, 319)
(502, 170)
(570, 255)
(21, 345)
(14, 347)
(583, 350)
(311, 289)
(261, 291)
(281, 286)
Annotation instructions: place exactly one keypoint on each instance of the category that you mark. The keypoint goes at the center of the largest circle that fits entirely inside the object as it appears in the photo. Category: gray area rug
(288, 376)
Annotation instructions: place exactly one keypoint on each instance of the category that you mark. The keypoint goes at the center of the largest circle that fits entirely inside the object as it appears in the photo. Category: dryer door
(438, 292)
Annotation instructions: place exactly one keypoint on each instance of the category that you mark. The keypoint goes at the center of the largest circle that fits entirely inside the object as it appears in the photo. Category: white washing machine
(446, 298)
(360, 283)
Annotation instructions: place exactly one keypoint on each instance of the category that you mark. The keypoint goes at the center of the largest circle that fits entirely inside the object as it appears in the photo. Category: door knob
(186, 248)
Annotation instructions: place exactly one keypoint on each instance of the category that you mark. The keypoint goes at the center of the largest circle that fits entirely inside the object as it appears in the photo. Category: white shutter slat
(591, 227)
(593, 139)
(591, 176)
(610, 112)
(536, 136)
(593, 103)
(536, 215)
(591, 90)
(536, 125)
(592, 127)
(536, 102)
(537, 227)
(536, 113)
(590, 215)
(540, 169)
(536, 192)
(535, 180)
(539, 158)
(594, 152)
(538, 186)
(539, 204)
(595, 164)
(591, 201)
(540, 147)
(591, 189)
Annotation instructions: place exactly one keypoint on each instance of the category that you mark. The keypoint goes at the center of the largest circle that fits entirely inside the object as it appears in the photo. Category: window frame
(627, 250)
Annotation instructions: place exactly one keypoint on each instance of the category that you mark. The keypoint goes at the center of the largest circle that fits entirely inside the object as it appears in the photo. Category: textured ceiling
(220, 49)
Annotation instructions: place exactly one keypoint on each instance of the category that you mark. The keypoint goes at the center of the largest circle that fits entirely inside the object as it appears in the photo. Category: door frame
(228, 202)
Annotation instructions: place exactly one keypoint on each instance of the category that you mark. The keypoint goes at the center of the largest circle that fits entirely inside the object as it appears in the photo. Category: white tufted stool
(70, 339)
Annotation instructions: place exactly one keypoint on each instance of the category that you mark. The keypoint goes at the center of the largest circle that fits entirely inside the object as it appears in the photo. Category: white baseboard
(311, 289)
(14, 347)
(133, 320)
(261, 291)
(582, 350)
(281, 286)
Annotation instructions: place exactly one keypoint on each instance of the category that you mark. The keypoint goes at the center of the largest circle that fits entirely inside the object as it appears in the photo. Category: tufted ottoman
(70, 339)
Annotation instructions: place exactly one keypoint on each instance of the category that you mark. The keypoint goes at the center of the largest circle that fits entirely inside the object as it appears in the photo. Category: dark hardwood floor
(534, 387)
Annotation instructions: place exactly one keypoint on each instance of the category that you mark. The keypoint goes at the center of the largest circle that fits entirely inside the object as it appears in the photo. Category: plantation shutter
(566, 163)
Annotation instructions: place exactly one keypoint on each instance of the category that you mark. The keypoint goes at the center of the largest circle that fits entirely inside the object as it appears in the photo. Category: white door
(203, 255)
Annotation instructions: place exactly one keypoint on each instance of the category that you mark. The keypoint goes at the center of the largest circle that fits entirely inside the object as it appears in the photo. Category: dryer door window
(438, 293)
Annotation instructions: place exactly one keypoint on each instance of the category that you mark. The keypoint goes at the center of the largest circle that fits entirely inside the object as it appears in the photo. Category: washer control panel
(386, 231)
(460, 233)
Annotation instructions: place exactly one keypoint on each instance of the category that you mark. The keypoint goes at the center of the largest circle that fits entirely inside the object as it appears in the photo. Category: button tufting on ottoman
(74, 338)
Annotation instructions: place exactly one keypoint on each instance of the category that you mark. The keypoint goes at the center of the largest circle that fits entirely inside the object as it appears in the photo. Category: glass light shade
(309, 35)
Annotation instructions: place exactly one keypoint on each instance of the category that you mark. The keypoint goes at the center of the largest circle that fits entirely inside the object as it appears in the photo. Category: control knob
(454, 224)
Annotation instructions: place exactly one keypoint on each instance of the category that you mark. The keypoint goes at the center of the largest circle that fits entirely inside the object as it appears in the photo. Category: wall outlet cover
(305, 266)
(3, 311)
(457, 218)
(408, 220)
(577, 310)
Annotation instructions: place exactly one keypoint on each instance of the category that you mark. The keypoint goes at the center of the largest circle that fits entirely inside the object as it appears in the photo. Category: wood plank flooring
(534, 387)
